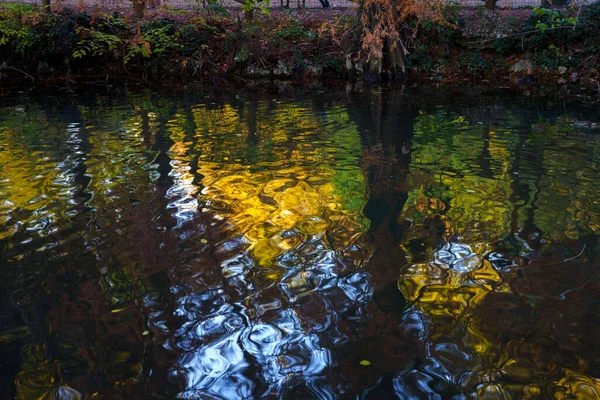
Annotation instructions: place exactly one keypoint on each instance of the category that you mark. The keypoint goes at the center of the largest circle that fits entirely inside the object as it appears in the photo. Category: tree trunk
(375, 70)
(139, 8)
(490, 4)
(248, 15)
(46, 5)
(396, 60)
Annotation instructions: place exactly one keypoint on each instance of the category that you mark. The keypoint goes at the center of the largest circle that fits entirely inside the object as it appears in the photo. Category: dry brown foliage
(395, 23)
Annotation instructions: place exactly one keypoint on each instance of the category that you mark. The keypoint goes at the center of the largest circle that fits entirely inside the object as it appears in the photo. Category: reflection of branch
(566, 259)
(580, 253)
(18, 70)
(562, 295)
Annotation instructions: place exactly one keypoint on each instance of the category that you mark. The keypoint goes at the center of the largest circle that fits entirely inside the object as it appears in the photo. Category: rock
(584, 124)
(313, 71)
(255, 71)
(282, 70)
(523, 65)
(486, 24)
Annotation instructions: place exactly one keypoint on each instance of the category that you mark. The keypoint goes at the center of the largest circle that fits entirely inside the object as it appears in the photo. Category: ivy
(551, 19)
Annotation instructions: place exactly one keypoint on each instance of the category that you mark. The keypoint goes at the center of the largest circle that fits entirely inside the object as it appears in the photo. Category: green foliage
(193, 39)
(545, 18)
(161, 40)
(20, 38)
(18, 24)
(262, 5)
(216, 7)
(432, 33)
(243, 55)
(157, 39)
(507, 45)
(549, 58)
(96, 44)
(295, 32)
(547, 27)
(473, 61)
(137, 48)
(420, 60)
(328, 62)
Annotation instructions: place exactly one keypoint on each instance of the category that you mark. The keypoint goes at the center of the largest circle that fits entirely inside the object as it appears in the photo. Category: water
(359, 244)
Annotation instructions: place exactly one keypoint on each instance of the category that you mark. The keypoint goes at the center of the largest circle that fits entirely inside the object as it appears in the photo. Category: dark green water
(368, 244)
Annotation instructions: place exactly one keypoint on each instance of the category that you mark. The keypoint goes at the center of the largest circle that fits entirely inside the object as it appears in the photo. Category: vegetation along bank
(559, 46)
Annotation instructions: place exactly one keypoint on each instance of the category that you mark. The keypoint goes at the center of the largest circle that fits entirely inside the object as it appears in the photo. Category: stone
(486, 24)
(523, 65)
(282, 70)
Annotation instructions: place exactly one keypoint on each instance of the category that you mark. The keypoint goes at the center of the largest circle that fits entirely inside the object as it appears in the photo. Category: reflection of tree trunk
(386, 124)
(529, 166)
(252, 137)
(490, 4)
(485, 157)
(376, 114)
(162, 144)
(191, 130)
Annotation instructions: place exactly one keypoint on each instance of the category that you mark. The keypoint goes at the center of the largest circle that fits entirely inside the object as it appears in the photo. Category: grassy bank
(175, 45)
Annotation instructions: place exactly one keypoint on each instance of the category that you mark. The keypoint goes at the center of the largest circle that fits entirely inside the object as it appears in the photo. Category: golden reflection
(38, 378)
(31, 178)
(450, 287)
(578, 386)
(293, 184)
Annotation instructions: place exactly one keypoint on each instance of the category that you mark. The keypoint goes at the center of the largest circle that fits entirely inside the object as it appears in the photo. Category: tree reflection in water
(369, 244)
(289, 295)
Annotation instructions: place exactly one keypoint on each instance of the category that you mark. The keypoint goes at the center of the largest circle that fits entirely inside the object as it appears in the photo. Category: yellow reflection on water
(31, 179)
(450, 287)
(295, 183)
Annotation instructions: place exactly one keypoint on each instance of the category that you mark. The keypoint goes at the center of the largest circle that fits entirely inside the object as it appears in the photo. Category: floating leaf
(365, 363)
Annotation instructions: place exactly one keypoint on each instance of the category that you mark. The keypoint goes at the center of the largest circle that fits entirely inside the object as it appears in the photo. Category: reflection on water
(367, 243)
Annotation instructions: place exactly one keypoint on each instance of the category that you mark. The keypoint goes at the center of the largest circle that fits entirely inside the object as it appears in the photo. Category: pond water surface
(367, 243)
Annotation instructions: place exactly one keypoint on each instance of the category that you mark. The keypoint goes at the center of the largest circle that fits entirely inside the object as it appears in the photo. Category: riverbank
(169, 45)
